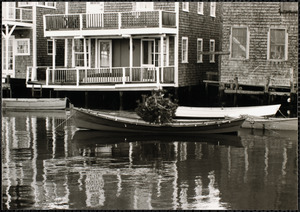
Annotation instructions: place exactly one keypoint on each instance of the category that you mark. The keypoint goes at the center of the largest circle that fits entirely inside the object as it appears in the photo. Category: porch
(97, 79)
(110, 23)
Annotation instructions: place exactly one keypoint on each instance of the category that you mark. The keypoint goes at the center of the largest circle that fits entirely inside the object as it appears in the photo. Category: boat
(222, 112)
(99, 120)
(271, 123)
(26, 104)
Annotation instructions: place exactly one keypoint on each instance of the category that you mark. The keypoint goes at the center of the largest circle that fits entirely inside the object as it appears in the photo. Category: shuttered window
(239, 43)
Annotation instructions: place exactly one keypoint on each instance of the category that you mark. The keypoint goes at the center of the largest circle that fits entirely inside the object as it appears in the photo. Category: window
(10, 66)
(23, 46)
(143, 6)
(184, 49)
(49, 47)
(213, 9)
(199, 50)
(79, 52)
(211, 49)
(239, 43)
(277, 44)
(185, 6)
(200, 8)
(47, 4)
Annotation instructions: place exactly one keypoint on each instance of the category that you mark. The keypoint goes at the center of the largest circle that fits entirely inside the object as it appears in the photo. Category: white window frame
(49, 40)
(200, 8)
(212, 48)
(186, 50)
(88, 53)
(152, 53)
(213, 6)
(185, 6)
(247, 44)
(46, 4)
(27, 40)
(285, 47)
(199, 50)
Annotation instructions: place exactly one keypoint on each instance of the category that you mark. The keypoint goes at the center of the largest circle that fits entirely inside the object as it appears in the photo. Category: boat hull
(219, 112)
(271, 123)
(25, 104)
(87, 119)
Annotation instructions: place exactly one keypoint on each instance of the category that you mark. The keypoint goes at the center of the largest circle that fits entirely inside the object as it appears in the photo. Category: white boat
(270, 123)
(222, 112)
(26, 104)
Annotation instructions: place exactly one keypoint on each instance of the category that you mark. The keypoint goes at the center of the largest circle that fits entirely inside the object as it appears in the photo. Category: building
(128, 46)
(262, 41)
(23, 39)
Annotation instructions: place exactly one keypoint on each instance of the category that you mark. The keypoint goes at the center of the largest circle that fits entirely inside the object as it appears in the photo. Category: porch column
(34, 45)
(85, 57)
(162, 57)
(53, 58)
(6, 47)
(130, 57)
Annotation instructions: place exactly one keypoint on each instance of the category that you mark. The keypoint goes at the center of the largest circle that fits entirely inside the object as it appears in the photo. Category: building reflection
(47, 165)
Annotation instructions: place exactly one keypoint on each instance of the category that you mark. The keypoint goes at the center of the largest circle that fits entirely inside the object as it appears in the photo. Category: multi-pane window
(200, 8)
(144, 6)
(213, 9)
(277, 44)
(239, 43)
(105, 54)
(23, 46)
(185, 6)
(184, 49)
(48, 3)
(79, 52)
(199, 50)
(10, 54)
(211, 50)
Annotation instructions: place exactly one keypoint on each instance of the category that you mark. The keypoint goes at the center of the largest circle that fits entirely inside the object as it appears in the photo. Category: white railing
(114, 75)
(17, 14)
(120, 20)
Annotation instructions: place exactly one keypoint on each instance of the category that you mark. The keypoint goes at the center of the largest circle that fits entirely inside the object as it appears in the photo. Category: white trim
(200, 9)
(152, 53)
(212, 56)
(201, 50)
(27, 40)
(247, 42)
(213, 9)
(187, 50)
(285, 44)
(49, 40)
(187, 5)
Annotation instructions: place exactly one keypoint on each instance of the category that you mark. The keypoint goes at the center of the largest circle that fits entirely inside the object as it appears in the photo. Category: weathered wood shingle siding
(259, 17)
(193, 26)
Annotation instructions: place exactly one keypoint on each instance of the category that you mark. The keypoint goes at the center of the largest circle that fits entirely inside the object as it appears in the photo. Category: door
(9, 10)
(104, 54)
(8, 69)
(148, 49)
(94, 7)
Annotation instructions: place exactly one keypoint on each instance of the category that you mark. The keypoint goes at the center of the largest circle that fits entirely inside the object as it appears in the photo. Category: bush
(157, 108)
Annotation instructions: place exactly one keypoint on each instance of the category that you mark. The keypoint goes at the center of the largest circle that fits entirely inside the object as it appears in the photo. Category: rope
(64, 121)
(282, 114)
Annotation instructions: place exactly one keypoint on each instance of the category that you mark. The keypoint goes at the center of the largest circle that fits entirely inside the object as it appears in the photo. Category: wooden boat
(25, 104)
(222, 112)
(96, 120)
(271, 123)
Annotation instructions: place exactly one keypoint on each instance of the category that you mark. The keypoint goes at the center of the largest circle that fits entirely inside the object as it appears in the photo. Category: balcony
(115, 78)
(112, 22)
(16, 15)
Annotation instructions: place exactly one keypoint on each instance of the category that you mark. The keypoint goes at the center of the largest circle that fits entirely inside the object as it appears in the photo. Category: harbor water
(48, 164)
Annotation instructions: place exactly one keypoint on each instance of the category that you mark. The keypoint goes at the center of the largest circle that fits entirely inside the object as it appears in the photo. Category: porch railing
(115, 75)
(121, 20)
(17, 14)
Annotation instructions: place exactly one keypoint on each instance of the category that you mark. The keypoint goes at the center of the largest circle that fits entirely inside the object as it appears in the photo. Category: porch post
(6, 48)
(162, 57)
(53, 58)
(130, 57)
(85, 57)
(34, 45)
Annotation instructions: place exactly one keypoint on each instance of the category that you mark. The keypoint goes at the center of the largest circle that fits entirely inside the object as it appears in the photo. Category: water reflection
(47, 164)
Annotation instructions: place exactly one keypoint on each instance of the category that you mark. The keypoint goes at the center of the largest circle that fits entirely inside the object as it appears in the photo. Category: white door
(95, 7)
(8, 69)
(104, 54)
(9, 10)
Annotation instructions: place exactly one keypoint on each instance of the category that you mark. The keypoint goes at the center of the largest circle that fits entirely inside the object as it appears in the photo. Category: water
(47, 164)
